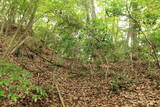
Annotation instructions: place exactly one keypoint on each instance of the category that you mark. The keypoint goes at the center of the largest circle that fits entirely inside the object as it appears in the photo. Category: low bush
(119, 81)
(15, 83)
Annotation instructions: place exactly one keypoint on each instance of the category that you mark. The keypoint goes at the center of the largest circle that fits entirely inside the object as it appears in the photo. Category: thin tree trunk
(86, 4)
(17, 31)
(93, 9)
(133, 34)
(11, 48)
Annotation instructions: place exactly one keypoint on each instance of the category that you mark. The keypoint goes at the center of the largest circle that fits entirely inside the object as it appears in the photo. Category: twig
(60, 96)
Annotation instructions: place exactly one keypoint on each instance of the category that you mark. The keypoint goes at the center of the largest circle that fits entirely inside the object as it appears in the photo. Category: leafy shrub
(119, 81)
(15, 83)
(115, 8)
(38, 93)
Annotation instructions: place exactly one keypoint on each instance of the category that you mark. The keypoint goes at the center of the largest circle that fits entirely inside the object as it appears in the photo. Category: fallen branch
(60, 96)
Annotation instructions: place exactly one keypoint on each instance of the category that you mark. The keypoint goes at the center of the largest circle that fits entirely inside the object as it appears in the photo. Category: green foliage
(62, 26)
(39, 90)
(67, 46)
(36, 97)
(15, 83)
(119, 81)
(2, 95)
(116, 8)
(37, 93)
(155, 39)
(151, 18)
(64, 30)
(14, 97)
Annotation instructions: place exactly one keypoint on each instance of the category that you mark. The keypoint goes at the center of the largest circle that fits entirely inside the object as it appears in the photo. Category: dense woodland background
(48, 45)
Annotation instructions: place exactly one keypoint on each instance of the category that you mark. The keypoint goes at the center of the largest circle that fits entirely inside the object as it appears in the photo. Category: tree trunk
(133, 33)
(93, 14)
(86, 4)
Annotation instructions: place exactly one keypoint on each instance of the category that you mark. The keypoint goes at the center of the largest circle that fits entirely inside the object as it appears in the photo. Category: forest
(79, 53)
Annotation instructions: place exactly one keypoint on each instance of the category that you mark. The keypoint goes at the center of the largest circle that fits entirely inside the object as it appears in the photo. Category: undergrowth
(120, 81)
(15, 83)
(154, 76)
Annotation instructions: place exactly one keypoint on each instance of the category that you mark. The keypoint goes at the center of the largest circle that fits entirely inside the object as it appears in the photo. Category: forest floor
(119, 84)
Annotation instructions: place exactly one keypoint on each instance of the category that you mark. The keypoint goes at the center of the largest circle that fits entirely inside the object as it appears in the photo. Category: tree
(133, 30)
